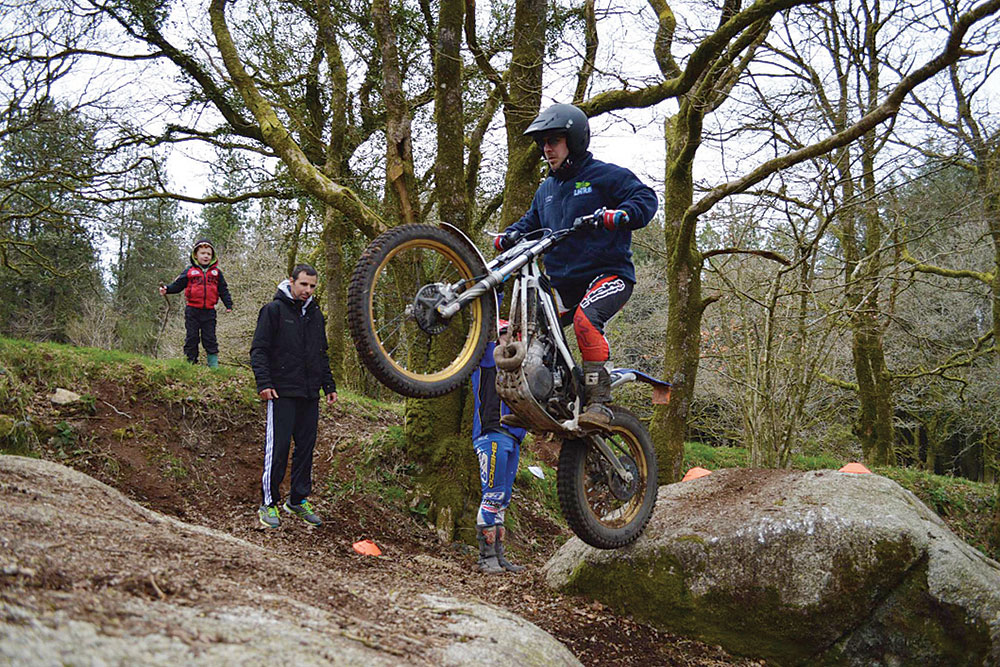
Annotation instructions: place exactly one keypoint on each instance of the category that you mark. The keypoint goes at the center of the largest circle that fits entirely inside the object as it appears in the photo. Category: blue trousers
(498, 455)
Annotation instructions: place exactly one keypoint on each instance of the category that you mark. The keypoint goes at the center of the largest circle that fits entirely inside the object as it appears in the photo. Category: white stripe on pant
(265, 479)
(289, 418)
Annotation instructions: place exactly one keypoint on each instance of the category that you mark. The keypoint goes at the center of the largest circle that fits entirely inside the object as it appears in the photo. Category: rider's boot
(487, 537)
(504, 563)
(597, 385)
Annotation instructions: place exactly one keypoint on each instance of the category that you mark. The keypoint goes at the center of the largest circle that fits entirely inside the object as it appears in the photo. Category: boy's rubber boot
(597, 385)
(488, 563)
(504, 563)
(213, 361)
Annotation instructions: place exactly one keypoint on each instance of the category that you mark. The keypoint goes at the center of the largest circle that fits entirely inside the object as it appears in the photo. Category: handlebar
(592, 221)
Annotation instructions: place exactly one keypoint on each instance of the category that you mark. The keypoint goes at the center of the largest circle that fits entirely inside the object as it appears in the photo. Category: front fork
(610, 456)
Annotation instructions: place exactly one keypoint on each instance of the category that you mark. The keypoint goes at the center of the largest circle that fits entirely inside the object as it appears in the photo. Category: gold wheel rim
(474, 308)
(630, 508)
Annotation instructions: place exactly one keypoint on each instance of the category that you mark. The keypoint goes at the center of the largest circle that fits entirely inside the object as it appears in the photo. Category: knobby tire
(471, 328)
(583, 494)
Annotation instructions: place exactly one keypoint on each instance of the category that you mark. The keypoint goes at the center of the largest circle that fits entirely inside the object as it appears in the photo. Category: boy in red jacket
(203, 286)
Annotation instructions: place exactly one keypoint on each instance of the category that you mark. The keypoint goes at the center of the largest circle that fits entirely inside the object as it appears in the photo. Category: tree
(711, 70)
(48, 260)
(145, 232)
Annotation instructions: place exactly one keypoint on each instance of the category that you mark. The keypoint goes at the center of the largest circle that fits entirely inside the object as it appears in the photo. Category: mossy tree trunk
(336, 230)
(434, 428)
(522, 97)
(861, 239)
(685, 304)
(402, 196)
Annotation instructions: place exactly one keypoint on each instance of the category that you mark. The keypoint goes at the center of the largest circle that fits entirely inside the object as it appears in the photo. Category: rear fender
(661, 388)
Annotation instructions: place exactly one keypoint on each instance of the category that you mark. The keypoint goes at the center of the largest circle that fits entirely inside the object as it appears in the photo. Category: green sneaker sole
(309, 517)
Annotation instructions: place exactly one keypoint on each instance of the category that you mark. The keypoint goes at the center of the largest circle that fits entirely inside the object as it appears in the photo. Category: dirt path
(205, 470)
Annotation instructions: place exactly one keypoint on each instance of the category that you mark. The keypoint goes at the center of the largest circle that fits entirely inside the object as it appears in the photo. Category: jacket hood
(284, 293)
(215, 257)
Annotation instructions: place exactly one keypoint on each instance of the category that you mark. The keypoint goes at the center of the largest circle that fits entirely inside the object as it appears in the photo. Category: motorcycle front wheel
(397, 283)
(604, 510)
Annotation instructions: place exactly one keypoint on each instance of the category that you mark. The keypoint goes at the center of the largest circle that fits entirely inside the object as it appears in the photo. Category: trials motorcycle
(422, 305)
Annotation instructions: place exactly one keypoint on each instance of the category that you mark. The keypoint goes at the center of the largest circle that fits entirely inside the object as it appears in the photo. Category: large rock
(800, 568)
(88, 577)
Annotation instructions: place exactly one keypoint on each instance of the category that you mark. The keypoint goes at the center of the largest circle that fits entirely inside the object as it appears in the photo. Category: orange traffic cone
(695, 473)
(367, 548)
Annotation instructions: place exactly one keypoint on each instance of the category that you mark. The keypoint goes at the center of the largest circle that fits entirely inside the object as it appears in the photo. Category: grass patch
(370, 408)
(971, 509)
(379, 469)
(46, 366)
(541, 492)
(713, 458)
(716, 458)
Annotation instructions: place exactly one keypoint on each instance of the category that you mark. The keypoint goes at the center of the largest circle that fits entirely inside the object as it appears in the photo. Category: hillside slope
(186, 442)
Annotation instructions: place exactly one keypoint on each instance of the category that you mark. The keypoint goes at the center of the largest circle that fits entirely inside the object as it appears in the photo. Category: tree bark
(684, 312)
(522, 103)
(402, 193)
(434, 427)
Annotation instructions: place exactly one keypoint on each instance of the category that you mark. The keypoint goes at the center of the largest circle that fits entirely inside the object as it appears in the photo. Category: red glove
(613, 219)
(506, 240)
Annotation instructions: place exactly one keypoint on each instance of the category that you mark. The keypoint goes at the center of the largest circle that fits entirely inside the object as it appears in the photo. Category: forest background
(823, 275)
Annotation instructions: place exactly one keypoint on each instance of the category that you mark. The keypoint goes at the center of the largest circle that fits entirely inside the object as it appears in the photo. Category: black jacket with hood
(288, 353)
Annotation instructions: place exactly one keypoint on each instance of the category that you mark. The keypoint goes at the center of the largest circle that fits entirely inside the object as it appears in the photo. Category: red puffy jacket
(202, 289)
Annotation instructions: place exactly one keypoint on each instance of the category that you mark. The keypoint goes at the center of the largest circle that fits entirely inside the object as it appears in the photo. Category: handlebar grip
(594, 220)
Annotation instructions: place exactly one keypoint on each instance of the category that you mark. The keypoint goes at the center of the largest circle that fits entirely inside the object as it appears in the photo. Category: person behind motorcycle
(498, 449)
(591, 272)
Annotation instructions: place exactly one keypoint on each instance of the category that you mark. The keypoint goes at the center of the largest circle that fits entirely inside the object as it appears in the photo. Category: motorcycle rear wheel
(390, 305)
(603, 510)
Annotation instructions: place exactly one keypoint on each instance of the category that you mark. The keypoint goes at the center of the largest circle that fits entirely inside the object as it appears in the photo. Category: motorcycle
(422, 305)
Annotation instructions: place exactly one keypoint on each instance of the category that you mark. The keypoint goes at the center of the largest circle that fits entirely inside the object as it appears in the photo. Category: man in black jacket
(290, 364)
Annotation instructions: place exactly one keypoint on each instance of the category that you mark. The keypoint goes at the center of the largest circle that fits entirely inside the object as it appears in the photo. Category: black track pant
(200, 326)
(289, 418)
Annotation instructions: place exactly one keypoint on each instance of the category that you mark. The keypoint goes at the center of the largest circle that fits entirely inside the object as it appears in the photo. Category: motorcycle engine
(539, 377)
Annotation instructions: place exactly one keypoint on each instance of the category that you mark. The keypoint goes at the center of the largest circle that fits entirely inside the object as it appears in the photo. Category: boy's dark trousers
(199, 323)
(289, 418)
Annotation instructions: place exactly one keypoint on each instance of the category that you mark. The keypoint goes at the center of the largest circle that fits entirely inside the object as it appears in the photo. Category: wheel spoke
(604, 504)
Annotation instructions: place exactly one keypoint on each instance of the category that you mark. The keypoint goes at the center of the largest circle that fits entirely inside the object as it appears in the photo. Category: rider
(591, 272)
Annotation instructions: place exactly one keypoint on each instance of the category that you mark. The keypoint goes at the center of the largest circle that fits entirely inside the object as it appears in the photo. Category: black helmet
(566, 118)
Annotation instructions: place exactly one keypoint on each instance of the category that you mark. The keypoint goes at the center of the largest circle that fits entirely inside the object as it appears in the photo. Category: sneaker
(304, 510)
(268, 516)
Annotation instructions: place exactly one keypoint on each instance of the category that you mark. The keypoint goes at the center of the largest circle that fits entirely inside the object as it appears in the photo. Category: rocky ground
(203, 468)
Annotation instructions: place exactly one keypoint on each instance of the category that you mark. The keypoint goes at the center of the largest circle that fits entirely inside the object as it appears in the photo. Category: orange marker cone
(695, 473)
(856, 468)
(367, 548)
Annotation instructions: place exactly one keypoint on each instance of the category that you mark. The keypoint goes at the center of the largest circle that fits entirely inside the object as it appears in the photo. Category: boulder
(800, 568)
(90, 577)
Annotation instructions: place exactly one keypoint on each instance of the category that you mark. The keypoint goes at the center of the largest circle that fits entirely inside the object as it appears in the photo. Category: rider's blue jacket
(579, 189)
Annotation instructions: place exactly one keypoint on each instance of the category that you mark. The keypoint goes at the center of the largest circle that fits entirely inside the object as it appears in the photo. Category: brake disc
(620, 488)
(424, 309)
